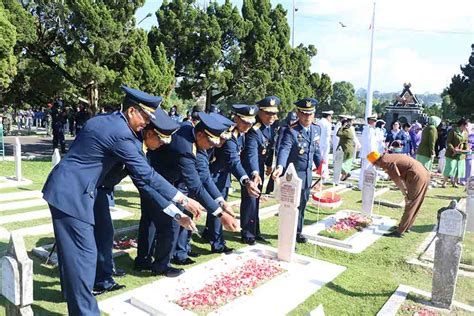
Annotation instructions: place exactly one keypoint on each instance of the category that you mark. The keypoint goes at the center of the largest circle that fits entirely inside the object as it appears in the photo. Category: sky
(423, 42)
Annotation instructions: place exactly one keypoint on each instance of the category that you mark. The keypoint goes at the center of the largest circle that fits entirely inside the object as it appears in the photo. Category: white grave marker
(56, 158)
(448, 250)
(18, 159)
(470, 204)
(289, 196)
(338, 160)
(368, 190)
(17, 277)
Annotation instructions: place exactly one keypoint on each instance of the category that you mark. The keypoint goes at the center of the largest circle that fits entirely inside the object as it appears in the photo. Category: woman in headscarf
(429, 136)
(455, 153)
(415, 137)
(346, 142)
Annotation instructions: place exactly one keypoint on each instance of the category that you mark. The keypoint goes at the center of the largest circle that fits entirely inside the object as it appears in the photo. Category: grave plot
(290, 285)
(351, 240)
(27, 214)
(410, 300)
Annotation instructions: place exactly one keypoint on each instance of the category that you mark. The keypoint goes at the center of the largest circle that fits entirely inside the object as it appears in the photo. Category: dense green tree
(343, 100)
(433, 110)
(461, 88)
(448, 108)
(7, 43)
(94, 46)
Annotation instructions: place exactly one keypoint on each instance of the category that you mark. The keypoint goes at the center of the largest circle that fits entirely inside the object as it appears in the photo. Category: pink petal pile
(230, 285)
(418, 311)
(353, 221)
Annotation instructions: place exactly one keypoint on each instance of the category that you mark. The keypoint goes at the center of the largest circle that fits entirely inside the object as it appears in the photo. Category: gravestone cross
(338, 160)
(288, 194)
(56, 157)
(18, 159)
(470, 204)
(448, 250)
(368, 190)
(17, 278)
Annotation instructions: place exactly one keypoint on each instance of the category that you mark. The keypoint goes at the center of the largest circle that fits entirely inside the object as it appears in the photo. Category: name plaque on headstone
(368, 190)
(287, 193)
(450, 223)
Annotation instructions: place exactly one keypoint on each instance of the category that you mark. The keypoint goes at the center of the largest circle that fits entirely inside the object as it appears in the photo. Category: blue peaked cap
(149, 103)
(164, 125)
(222, 119)
(269, 104)
(306, 104)
(212, 126)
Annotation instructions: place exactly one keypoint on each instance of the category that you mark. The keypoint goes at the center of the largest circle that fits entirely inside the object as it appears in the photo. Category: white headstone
(450, 223)
(11, 280)
(18, 159)
(448, 250)
(368, 190)
(470, 204)
(17, 276)
(289, 196)
(56, 157)
(338, 160)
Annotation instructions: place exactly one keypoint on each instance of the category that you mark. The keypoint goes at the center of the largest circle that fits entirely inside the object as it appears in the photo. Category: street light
(146, 17)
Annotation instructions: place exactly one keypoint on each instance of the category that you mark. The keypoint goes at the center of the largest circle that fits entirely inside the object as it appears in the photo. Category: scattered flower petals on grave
(229, 285)
(125, 243)
(353, 221)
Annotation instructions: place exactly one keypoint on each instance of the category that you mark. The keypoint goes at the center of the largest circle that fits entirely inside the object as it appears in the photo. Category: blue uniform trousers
(145, 240)
(104, 237)
(183, 244)
(214, 230)
(249, 219)
(77, 255)
(159, 241)
(305, 192)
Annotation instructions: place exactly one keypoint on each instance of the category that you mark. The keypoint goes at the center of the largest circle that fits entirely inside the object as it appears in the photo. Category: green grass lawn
(371, 276)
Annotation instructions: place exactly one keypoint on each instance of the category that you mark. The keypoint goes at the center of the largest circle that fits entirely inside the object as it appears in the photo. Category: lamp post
(146, 17)
(293, 27)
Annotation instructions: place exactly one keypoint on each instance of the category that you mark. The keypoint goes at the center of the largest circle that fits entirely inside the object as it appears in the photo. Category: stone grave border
(306, 275)
(42, 252)
(353, 244)
(396, 300)
(11, 182)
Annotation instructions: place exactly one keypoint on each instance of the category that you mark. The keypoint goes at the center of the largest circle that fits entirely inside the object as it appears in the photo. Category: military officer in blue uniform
(71, 190)
(179, 163)
(226, 161)
(300, 146)
(154, 135)
(257, 158)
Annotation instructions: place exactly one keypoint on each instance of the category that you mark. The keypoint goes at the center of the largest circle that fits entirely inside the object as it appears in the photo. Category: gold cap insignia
(272, 102)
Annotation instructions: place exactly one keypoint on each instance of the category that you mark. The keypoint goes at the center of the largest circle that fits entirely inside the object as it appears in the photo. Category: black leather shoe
(301, 239)
(395, 234)
(100, 290)
(170, 272)
(193, 254)
(262, 240)
(224, 249)
(119, 273)
(142, 266)
(248, 241)
(183, 262)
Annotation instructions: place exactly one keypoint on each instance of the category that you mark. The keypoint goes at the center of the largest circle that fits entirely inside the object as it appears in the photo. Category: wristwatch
(177, 216)
(245, 181)
(220, 214)
(185, 201)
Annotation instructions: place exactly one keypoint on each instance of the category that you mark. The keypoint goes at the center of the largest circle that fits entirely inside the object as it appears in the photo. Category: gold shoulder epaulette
(194, 149)
(235, 133)
(294, 125)
(256, 126)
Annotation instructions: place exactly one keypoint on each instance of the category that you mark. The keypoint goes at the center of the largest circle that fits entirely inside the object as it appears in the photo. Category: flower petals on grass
(230, 285)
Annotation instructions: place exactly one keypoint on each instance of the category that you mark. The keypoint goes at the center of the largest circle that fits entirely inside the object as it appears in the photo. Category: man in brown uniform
(411, 177)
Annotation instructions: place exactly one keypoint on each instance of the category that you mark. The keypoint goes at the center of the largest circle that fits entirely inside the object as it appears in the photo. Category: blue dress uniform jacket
(257, 153)
(300, 147)
(71, 189)
(226, 161)
(104, 141)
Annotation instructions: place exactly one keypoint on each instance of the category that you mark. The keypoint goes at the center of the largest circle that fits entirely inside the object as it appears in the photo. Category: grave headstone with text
(448, 250)
(18, 159)
(470, 204)
(17, 278)
(56, 158)
(368, 190)
(288, 194)
(338, 160)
